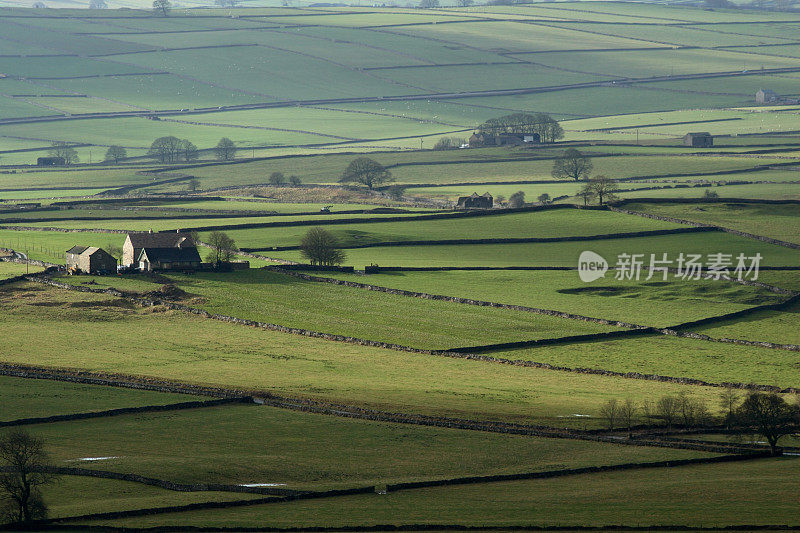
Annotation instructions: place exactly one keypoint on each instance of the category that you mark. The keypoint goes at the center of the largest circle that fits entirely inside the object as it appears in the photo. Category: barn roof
(157, 240)
(77, 249)
(171, 255)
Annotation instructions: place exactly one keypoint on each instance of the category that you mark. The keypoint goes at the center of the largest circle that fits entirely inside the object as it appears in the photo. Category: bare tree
(367, 172)
(114, 250)
(586, 194)
(667, 409)
(277, 179)
(223, 248)
(294, 181)
(769, 415)
(165, 149)
(610, 413)
(449, 143)
(729, 400)
(516, 200)
(25, 462)
(116, 153)
(188, 150)
(98, 4)
(604, 189)
(193, 184)
(162, 7)
(65, 151)
(627, 412)
(321, 247)
(225, 149)
(572, 165)
(544, 198)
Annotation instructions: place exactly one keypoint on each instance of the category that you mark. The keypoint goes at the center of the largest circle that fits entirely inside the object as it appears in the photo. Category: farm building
(477, 140)
(701, 139)
(136, 242)
(765, 96)
(169, 258)
(90, 260)
(475, 201)
(50, 162)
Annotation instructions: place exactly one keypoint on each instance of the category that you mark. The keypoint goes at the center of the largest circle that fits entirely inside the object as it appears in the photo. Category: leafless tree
(729, 400)
(586, 194)
(193, 184)
(294, 181)
(610, 413)
(367, 172)
(25, 462)
(769, 415)
(165, 149)
(225, 149)
(223, 248)
(162, 7)
(65, 151)
(321, 247)
(572, 165)
(604, 189)
(627, 412)
(667, 409)
(188, 151)
(116, 153)
(516, 200)
(277, 179)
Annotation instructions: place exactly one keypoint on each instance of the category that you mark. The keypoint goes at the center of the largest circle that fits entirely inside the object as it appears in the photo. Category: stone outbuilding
(136, 242)
(701, 139)
(174, 258)
(475, 201)
(90, 260)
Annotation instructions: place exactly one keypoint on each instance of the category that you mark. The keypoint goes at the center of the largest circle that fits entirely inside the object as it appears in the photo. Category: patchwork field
(503, 358)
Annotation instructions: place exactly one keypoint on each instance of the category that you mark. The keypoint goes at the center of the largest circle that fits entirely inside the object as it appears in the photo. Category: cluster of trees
(766, 414)
(65, 151)
(548, 128)
(278, 179)
(321, 248)
(449, 143)
(577, 166)
(171, 149)
(223, 248)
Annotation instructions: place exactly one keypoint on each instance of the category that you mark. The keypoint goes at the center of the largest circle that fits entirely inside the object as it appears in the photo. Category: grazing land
(436, 336)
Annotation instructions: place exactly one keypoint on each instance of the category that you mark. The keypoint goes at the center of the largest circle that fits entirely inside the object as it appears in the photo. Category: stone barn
(765, 96)
(186, 258)
(90, 260)
(136, 242)
(475, 201)
(698, 140)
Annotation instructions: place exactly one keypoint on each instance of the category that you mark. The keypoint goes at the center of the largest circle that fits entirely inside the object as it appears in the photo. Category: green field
(23, 398)
(654, 303)
(304, 89)
(775, 221)
(192, 349)
(562, 253)
(734, 494)
(252, 444)
(275, 298)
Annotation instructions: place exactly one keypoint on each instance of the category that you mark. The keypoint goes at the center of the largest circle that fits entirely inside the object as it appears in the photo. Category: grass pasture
(735, 494)
(270, 445)
(192, 349)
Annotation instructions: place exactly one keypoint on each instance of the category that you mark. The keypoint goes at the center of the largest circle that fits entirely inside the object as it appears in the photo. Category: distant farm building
(136, 242)
(478, 140)
(50, 162)
(765, 96)
(475, 201)
(169, 258)
(698, 140)
(90, 260)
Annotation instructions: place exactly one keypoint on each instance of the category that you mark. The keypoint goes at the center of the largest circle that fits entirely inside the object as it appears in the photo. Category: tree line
(765, 414)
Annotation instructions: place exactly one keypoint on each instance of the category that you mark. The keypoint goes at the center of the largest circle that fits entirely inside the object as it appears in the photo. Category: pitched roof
(157, 240)
(171, 255)
(77, 249)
